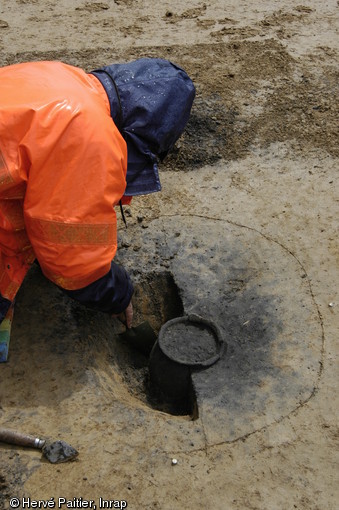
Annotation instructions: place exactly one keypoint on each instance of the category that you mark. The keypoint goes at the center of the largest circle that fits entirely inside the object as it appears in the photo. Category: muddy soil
(260, 154)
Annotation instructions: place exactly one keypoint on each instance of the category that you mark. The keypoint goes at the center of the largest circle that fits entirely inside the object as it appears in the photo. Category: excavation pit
(185, 344)
(158, 305)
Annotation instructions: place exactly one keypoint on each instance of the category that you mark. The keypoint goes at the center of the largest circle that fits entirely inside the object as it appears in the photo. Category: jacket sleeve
(112, 293)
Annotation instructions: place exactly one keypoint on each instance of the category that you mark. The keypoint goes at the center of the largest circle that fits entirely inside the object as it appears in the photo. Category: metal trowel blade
(141, 337)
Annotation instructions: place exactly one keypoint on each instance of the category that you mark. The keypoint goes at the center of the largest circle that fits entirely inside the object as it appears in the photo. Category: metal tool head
(59, 451)
(141, 337)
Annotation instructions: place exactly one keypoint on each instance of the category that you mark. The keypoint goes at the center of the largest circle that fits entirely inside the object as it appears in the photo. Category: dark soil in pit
(188, 343)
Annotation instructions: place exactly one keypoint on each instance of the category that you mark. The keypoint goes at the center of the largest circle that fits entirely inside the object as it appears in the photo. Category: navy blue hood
(150, 101)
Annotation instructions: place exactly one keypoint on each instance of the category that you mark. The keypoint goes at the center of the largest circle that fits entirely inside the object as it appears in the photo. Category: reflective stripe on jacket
(62, 170)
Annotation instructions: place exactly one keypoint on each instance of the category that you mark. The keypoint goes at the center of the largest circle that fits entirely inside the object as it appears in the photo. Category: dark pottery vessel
(184, 345)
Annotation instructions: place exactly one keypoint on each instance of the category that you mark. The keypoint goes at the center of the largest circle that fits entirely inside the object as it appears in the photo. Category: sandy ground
(261, 153)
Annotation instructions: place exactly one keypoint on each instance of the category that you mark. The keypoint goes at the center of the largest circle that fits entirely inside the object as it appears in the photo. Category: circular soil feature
(259, 296)
(191, 341)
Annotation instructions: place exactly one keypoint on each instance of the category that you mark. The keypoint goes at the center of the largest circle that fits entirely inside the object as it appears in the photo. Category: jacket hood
(150, 101)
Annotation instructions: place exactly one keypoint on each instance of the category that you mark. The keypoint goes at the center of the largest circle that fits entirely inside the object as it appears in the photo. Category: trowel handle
(12, 437)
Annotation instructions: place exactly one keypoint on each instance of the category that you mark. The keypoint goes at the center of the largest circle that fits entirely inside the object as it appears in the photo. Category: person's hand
(126, 317)
(129, 315)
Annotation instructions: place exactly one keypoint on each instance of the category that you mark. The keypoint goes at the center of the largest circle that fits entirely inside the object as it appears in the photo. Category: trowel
(54, 451)
(141, 337)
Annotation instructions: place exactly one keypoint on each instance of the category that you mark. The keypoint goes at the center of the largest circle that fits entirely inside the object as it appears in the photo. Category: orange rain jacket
(62, 170)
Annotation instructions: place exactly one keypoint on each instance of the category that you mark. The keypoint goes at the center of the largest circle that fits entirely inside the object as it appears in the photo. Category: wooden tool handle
(12, 437)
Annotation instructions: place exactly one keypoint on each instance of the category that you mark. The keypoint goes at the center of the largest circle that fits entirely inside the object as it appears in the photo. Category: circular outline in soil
(192, 319)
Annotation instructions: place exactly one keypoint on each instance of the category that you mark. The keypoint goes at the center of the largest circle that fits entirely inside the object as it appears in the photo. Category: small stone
(174, 462)
(331, 305)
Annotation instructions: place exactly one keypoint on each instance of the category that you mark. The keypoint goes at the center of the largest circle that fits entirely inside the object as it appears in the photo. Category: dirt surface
(255, 169)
